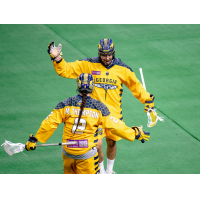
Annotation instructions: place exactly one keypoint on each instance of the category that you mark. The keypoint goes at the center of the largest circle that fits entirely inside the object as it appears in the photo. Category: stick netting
(153, 118)
(12, 148)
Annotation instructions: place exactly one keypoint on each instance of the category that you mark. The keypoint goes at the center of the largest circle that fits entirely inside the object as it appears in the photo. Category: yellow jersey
(108, 81)
(94, 114)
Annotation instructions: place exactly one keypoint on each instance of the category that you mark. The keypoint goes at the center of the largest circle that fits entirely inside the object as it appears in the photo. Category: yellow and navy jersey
(94, 114)
(108, 81)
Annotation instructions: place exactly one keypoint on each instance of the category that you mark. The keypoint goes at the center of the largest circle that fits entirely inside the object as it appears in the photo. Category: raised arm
(63, 68)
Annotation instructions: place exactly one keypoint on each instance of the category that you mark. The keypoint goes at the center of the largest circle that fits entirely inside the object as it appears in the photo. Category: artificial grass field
(30, 89)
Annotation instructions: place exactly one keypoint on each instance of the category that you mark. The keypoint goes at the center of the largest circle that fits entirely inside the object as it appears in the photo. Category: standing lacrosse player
(110, 74)
(82, 115)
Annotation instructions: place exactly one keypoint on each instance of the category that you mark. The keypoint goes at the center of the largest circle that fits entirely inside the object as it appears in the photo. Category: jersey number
(81, 125)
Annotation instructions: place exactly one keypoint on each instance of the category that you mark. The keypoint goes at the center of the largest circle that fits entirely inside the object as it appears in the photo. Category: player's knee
(111, 143)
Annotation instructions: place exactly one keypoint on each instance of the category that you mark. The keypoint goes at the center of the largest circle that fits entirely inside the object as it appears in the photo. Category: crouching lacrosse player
(82, 115)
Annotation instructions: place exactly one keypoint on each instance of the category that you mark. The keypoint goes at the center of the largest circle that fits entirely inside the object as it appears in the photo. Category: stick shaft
(142, 77)
(55, 144)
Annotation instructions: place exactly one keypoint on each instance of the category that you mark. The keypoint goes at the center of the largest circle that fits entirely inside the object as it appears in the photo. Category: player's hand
(30, 145)
(54, 52)
(149, 103)
(140, 134)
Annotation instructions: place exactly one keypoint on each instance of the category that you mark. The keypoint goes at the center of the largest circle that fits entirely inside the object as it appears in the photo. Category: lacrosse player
(82, 115)
(109, 74)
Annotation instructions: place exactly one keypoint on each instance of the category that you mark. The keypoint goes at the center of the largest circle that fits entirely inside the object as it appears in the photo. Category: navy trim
(142, 140)
(148, 108)
(117, 61)
(92, 60)
(96, 163)
(60, 105)
(149, 101)
(146, 133)
(91, 103)
(98, 172)
(96, 157)
(138, 135)
(95, 141)
(96, 135)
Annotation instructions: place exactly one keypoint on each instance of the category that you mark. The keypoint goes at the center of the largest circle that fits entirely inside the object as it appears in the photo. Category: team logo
(106, 87)
(107, 73)
(99, 131)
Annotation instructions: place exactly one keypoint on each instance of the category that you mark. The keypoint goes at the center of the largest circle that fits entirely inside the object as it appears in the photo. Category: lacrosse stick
(151, 113)
(13, 148)
(142, 77)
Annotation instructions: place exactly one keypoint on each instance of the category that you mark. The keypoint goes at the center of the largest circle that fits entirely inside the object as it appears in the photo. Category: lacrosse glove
(149, 103)
(30, 145)
(140, 134)
(54, 52)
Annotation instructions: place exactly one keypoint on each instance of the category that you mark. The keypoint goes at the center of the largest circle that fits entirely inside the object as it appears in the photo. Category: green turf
(30, 89)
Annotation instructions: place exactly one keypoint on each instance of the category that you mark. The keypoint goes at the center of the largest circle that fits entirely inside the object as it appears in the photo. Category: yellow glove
(30, 145)
(140, 134)
(149, 103)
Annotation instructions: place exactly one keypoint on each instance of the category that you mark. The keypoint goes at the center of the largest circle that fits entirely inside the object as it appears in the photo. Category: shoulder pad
(93, 59)
(118, 61)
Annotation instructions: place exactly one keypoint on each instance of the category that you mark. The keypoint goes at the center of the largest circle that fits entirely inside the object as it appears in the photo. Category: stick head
(153, 118)
(12, 148)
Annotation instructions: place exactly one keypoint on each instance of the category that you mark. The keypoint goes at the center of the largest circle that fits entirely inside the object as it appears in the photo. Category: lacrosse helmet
(85, 83)
(106, 46)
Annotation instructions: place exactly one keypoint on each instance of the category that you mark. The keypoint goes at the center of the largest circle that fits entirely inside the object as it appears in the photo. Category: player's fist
(149, 103)
(140, 134)
(54, 52)
(30, 145)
